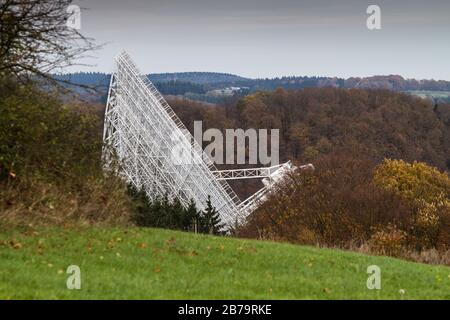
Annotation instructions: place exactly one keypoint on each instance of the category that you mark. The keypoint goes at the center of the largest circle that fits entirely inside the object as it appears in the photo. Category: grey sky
(262, 38)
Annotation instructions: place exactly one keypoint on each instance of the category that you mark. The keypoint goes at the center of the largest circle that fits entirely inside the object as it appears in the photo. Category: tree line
(168, 213)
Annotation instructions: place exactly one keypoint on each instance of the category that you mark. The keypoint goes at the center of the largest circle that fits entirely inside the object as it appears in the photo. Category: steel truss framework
(149, 146)
(255, 173)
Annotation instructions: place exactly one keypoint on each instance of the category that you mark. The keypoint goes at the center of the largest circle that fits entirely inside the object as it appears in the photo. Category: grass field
(157, 264)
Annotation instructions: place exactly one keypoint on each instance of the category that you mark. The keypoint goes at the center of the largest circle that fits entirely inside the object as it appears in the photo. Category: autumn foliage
(51, 169)
(428, 192)
(347, 202)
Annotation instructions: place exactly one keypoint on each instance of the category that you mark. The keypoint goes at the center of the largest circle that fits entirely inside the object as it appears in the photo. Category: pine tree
(211, 222)
(191, 219)
(163, 212)
(177, 213)
(141, 205)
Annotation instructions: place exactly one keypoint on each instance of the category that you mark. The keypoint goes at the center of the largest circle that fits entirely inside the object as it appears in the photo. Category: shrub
(39, 135)
(32, 201)
(428, 192)
(50, 162)
(389, 241)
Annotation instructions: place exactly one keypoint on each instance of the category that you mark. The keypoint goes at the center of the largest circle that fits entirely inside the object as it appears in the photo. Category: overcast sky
(262, 38)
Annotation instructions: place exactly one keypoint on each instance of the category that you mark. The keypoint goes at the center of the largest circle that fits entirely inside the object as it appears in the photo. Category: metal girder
(252, 173)
(271, 178)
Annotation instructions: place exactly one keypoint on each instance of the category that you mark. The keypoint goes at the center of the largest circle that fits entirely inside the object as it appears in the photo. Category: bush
(39, 135)
(34, 202)
(50, 162)
(389, 241)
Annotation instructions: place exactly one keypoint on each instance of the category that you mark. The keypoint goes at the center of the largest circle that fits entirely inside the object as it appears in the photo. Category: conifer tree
(191, 218)
(177, 215)
(211, 220)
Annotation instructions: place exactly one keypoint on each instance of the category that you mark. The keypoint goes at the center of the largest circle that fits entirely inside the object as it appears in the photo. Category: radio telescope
(152, 150)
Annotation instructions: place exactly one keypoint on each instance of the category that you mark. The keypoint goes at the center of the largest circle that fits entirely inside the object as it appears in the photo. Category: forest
(316, 122)
(381, 182)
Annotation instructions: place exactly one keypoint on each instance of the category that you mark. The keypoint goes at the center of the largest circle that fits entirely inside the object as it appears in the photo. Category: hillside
(204, 86)
(149, 263)
(319, 121)
(391, 82)
(102, 79)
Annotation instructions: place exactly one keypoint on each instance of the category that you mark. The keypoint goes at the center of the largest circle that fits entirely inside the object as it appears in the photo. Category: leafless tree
(35, 40)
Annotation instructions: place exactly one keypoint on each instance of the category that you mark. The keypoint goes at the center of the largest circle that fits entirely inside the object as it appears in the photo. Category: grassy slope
(156, 264)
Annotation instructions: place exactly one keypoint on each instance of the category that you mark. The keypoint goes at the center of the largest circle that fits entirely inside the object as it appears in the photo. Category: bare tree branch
(35, 40)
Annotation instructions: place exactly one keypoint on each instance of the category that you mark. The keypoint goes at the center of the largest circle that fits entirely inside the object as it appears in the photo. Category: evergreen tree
(211, 222)
(192, 218)
(176, 214)
(170, 214)
(141, 205)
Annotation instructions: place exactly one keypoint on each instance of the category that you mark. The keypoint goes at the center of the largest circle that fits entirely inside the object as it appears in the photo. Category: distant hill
(192, 85)
(199, 84)
(102, 79)
(390, 82)
(197, 77)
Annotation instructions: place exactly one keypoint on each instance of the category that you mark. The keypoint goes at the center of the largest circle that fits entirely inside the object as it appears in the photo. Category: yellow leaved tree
(428, 190)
